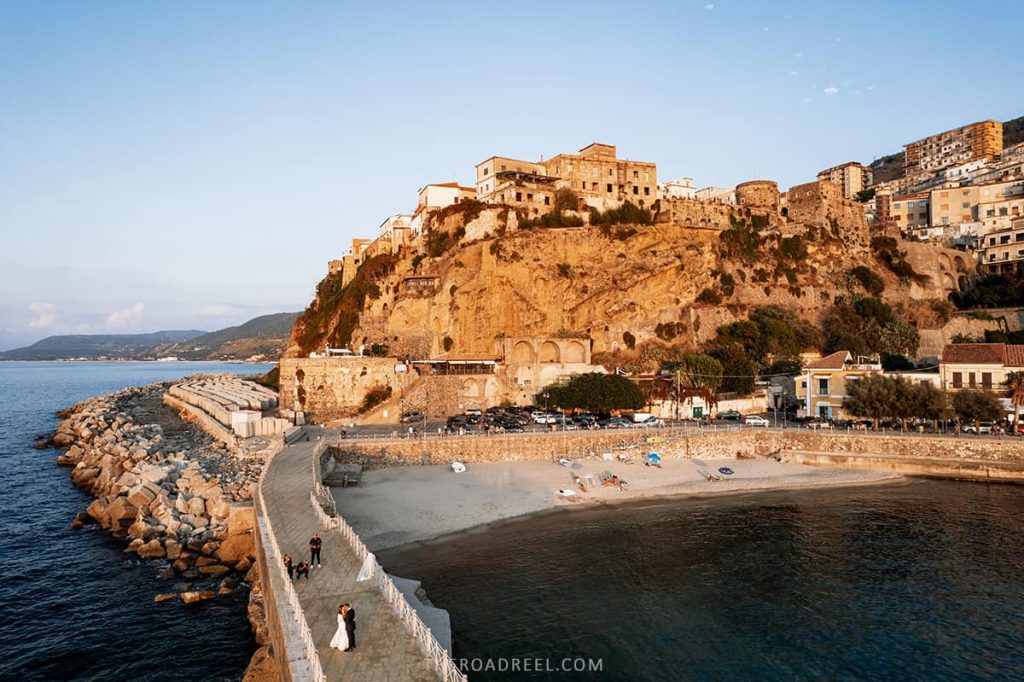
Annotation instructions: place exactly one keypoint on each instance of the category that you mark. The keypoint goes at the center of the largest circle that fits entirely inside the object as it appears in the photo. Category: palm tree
(1015, 387)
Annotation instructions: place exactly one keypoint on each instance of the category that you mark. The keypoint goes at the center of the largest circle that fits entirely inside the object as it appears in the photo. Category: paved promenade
(384, 648)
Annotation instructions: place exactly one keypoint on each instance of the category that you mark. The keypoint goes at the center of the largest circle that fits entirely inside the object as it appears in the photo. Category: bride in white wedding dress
(340, 639)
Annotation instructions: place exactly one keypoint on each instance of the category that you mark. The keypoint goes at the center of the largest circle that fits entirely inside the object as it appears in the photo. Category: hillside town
(409, 347)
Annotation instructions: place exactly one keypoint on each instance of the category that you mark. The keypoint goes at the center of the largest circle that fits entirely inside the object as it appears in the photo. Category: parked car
(543, 418)
(983, 428)
(729, 415)
(473, 412)
(409, 417)
(817, 423)
(755, 420)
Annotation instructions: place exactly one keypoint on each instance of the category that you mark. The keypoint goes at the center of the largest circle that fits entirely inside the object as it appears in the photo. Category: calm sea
(915, 581)
(72, 605)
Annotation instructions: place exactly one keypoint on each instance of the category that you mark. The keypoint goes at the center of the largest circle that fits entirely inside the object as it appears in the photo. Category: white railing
(439, 657)
(306, 665)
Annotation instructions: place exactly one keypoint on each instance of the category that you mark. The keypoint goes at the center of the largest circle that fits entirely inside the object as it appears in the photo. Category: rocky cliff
(478, 275)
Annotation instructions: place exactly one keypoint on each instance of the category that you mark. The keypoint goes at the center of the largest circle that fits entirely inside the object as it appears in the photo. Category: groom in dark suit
(350, 626)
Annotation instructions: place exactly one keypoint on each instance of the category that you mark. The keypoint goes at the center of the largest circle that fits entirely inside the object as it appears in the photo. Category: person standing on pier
(288, 565)
(315, 543)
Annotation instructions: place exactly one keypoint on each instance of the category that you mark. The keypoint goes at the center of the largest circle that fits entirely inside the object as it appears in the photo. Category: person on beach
(349, 615)
(340, 639)
(302, 570)
(288, 565)
(315, 543)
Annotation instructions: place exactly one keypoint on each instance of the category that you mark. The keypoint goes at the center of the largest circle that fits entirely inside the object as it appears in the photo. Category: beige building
(909, 212)
(823, 386)
(982, 140)
(1002, 252)
(596, 174)
(979, 365)
(999, 204)
(851, 176)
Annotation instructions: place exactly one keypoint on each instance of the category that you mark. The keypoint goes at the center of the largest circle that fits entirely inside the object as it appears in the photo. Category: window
(1002, 211)
(609, 187)
(1005, 239)
(991, 241)
(971, 381)
(986, 379)
(547, 201)
(943, 207)
(529, 197)
(636, 190)
(958, 380)
(486, 171)
(647, 191)
(519, 196)
(636, 174)
(822, 386)
(896, 205)
(1020, 237)
(966, 204)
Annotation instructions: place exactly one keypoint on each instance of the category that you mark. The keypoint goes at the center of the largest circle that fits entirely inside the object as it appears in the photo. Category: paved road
(385, 650)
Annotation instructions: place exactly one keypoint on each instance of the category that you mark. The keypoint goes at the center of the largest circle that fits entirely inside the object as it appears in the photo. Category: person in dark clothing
(302, 570)
(350, 625)
(315, 543)
(288, 565)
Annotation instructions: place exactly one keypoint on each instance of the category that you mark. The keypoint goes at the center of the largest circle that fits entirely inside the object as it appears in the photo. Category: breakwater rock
(163, 485)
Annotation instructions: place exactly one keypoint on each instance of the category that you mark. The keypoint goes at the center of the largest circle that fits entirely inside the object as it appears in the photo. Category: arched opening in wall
(962, 282)
(948, 283)
(960, 263)
(470, 389)
(575, 352)
(491, 388)
(785, 211)
(522, 353)
(945, 262)
(549, 352)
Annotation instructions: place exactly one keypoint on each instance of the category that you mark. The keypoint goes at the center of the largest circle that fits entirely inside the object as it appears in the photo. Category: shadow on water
(911, 581)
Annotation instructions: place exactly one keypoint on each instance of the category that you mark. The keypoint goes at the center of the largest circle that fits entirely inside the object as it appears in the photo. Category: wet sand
(398, 506)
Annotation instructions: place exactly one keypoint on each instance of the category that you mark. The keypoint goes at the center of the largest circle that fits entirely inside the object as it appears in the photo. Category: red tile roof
(835, 361)
(974, 353)
(1014, 356)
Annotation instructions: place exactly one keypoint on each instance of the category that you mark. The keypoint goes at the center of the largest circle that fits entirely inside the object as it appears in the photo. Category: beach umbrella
(726, 470)
(654, 458)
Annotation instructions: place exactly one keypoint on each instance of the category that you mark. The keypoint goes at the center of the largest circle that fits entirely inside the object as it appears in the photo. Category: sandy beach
(397, 506)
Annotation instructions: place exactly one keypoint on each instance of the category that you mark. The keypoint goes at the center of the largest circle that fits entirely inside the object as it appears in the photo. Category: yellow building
(982, 140)
(596, 174)
(823, 386)
(851, 176)
(910, 212)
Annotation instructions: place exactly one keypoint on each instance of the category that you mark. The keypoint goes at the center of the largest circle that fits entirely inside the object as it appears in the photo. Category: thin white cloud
(807, 99)
(45, 314)
(831, 90)
(125, 317)
(794, 73)
(709, 7)
(870, 87)
(798, 55)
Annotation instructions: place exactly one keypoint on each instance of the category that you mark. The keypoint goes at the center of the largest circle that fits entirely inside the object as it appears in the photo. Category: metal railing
(306, 665)
(320, 497)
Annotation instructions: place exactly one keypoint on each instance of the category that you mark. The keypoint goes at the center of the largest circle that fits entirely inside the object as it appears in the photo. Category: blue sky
(193, 164)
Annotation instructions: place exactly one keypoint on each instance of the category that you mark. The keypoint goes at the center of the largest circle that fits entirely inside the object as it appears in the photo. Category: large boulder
(141, 496)
(172, 549)
(235, 548)
(121, 512)
(197, 506)
(214, 570)
(98, 511)
(152, 550)
(241, 518)
(195, 597)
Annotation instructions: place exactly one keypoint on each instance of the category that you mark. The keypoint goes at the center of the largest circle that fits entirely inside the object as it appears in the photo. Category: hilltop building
(680, 188)
(851, 176)
(1002, 252)
(596, 174)
(982, 140)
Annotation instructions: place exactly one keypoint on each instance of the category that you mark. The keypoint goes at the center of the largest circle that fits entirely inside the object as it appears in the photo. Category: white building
(680, 188)
(723, 195)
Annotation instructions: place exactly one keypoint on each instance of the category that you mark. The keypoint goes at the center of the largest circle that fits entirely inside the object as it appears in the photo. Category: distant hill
(98, 345)
(891, 167)
(264, 336)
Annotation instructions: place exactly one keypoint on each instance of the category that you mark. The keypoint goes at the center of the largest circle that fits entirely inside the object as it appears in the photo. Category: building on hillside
(999, 204)
(979, 365)
(680, 188)
(851, 176)
(721, 195)
(823, 386)
(982, 140)
(1002, 252)
(397, 230)
(596, 174)
(909, 212)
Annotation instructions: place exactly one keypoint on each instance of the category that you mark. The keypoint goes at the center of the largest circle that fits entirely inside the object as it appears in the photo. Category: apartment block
(999, 204)
(1002, 252)
(909, 212)
(982, 140)
(596, 174)
(851, 176)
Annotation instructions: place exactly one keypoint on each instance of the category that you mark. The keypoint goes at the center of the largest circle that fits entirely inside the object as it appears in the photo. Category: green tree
(898, 338)
(697, 376)
(742, 369)
(595, 392)
(871, 397)
(975, 406)
(1015, 387)
(566, 200)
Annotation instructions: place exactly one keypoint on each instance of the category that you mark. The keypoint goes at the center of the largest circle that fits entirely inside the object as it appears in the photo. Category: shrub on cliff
(594, 392)
(626, 214)
(343, 303)
(868, 279)
(374, 397)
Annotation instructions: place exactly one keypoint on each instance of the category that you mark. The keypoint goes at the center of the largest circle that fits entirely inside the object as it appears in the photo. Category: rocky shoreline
(176, 496)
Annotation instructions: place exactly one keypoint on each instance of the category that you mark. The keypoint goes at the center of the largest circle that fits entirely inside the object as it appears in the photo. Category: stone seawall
(693, 443)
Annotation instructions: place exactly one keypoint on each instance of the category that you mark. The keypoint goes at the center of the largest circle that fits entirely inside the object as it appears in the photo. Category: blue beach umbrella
(726, 470)
(653, 458)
